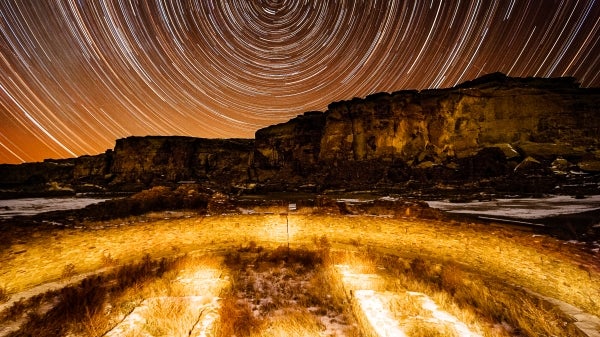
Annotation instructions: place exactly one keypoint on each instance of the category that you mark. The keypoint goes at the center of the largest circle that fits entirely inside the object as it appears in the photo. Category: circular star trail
(77, 74)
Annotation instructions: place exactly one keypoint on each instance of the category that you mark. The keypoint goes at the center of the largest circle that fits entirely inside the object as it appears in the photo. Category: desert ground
(272, 271)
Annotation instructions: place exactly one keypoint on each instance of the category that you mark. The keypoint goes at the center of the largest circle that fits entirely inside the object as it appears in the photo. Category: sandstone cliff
(32, 179)
(139, 162)
(460, 121)
(136, 163)
(287, 154)
(386, 138)
(497, 132)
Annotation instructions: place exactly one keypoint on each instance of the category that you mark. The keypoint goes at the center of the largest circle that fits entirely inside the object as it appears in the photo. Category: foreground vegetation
(289, 274)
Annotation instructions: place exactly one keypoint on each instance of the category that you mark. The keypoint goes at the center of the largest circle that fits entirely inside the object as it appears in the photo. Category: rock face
(492, 131)
(36, 179)
(460, 121)
(480, 129)
(138, 162)
(287, 154)
(92, 170)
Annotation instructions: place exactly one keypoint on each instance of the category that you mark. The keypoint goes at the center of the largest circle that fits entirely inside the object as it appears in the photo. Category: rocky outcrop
(91, 172)
(492, 133)
(32, 179)
(480, 129)
(287, 154)
(460, 121)
(137, 163)
(148, 161)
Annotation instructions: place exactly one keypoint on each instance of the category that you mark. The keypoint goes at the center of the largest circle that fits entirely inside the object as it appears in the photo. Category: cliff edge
(495, 133)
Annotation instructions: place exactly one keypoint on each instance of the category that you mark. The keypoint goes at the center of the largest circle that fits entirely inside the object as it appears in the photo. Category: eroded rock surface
(481, 129)
(494, 133)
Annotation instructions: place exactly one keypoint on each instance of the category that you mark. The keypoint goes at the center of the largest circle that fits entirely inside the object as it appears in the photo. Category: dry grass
(84, 307)
(68, 271)
(3, 294)
(482, 302)
(467, 269)
(173, 302)
(282, 292)
(429, 329)
(291, 323)
(170, 317)
(405, 306)
(237, 318)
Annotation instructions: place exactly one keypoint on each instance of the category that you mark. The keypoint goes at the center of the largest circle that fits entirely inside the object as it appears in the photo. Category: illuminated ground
(416, 271)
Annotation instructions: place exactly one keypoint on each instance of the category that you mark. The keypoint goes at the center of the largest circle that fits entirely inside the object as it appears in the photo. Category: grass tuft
(68, 271)
(4, 294)
(107, 260)
(430, 329)
(237, 318)
(451, 278)
(491, 301)
(169, 317)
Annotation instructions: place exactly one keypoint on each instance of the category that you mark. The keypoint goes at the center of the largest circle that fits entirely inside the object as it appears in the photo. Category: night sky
(77, 74)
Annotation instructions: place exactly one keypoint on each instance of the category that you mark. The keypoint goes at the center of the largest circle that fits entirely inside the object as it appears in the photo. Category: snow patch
(522, 208)
(202, 286)
(30, 206)
(376, 307)
(380, 318)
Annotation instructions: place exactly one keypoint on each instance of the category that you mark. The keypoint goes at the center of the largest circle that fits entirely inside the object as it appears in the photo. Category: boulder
(560, 166)
(529, 166)
(486, 163)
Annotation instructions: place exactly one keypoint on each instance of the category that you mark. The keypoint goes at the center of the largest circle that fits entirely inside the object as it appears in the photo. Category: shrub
(68, 271)
(451, 278)
(419, 267)
(237, 318)
(158, 198)
(107, 260)
(323, 248)
(3, 294)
